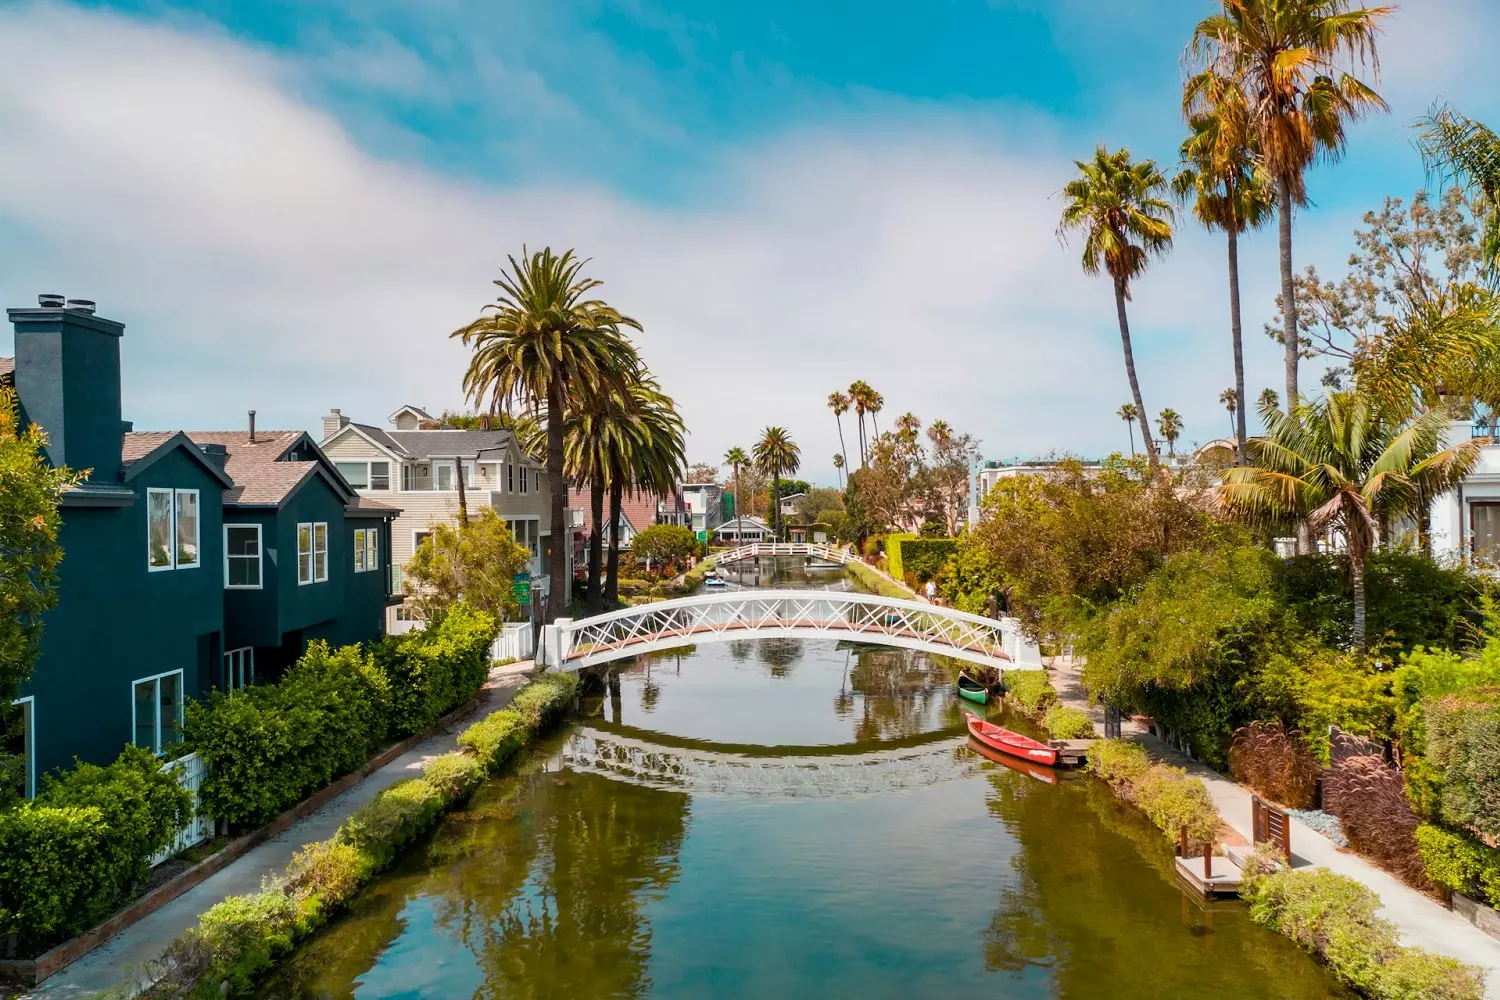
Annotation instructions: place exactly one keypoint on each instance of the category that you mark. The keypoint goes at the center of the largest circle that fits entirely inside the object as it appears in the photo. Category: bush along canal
(792, 819)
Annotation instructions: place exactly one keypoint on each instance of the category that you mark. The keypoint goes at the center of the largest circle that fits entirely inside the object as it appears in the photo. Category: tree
(1229, 399)
(818, 502)
(1128, 413)
(777, 453)
(541, 338)
(1293, 61)
(1268, 398)
(1470, 153)
(861, 395)
(30, 518)
(953, 455)
(839, 402)
(702, 472)
(838, 465)
(475, 562)
(1169, 423)
(665, 547)
(736, 459)
(1116, 204)
(655, 465)
(1226, 189)
(1343, 466)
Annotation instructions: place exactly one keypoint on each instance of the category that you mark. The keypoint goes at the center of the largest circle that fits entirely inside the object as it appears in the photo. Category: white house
(705, 504)
(1466, 521)
(744, 530)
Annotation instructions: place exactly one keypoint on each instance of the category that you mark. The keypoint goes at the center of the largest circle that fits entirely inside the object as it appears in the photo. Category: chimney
(217, 454)
(333, 423)
(252, 426)
(68, 379)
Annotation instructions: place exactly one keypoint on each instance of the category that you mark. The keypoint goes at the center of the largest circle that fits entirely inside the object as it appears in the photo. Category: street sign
(520, 588)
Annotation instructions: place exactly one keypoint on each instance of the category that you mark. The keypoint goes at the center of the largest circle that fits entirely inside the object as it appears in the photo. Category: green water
(789, 819)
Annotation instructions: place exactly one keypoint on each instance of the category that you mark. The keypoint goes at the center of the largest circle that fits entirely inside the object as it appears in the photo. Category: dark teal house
(191, 561)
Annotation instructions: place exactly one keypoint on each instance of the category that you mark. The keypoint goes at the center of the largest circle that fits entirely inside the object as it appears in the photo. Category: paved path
(1421, 920)
(112, 962)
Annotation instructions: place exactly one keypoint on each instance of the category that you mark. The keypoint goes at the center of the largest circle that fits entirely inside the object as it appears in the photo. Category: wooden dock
(1222, 877)
(1071, 753)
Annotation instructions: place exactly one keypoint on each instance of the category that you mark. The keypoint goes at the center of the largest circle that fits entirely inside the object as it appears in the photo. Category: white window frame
(524, 479)
(177, 563)
(260, 559)
(436, 479)
(243, 660)
(471, 473)
(171, 496)
(537, 485)
(510, 477)
(312, 553)
(387, 488)
(366, 550)
(365, 462)
(317, 552)
(28, 714)
(156, 747)
(416, 538)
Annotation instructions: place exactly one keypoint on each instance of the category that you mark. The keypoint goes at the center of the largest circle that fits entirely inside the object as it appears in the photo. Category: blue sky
(291, 203)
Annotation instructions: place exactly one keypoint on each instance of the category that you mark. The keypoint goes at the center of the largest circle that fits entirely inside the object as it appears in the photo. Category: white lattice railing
(190, 772)
(756, 614)
(829, 553)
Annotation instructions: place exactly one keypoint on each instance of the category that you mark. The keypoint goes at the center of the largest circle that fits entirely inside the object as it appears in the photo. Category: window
(408, 478)
(157, 711)
(510, 477)
(380, 475)
(18, 739)
(171, 529)
(312, 552)
(442, 475)
(1484, 530)
(239, 668)
(366, 549)
(538, 484)
(469, 475)
(242, 557)
(356, 473)
(523, 480)
(418, 537)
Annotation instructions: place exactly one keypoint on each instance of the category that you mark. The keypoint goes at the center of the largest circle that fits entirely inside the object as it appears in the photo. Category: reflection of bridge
(798, 614)
(771, 550)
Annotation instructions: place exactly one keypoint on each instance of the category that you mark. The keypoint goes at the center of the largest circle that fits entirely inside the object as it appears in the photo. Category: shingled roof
(7, 369)
(444, 443)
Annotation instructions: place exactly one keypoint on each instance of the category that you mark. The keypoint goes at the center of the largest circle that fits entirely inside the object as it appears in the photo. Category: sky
(292, 204)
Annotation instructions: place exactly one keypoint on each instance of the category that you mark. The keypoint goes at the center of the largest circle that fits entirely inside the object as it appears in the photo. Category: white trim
(415, 542)
(366, 549)
(316, 525)
(28, 708)
(197, 530)
(368, 440)
(171, 496)
(246, 659)
(312, 552)
(156, 746)
(260, 559)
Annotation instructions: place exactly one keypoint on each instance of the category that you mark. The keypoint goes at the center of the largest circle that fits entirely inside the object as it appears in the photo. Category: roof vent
(82, 305)
(50, 301)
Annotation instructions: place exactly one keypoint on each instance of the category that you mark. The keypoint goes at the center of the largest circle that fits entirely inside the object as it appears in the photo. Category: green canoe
(972, 690)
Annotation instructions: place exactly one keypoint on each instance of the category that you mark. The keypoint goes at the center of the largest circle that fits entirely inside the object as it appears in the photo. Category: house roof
(365, 507)
(138, 451)
(751, 523)
(443, 443)
(255, 472)
(416, 411)
(7, 369)
(638, 509)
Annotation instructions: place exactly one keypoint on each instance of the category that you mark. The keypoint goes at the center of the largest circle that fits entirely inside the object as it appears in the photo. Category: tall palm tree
(839, 402)
(838, 465)
(1470, 153)
(541, 336)
(1169, 423)
(1128, 413)
(1117, 204)
(1295, 63)
(874, 404)
(1230, 400)
(1220, 180)
(776, 453)
(655, 465)
(859, 394)
(1340, 465)
(1269, 398)
(736, 459)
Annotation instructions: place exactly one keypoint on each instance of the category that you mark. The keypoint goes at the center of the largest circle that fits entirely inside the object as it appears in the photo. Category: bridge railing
(831, 553)
(748, 614)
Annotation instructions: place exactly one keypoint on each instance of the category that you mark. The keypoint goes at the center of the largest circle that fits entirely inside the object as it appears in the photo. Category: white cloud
(262, 259)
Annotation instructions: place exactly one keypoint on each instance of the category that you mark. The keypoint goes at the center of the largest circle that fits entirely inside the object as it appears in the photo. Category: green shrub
(386, 823)
(328, 873)
(895, 551)
(1460, 862)
(269, 746)
(1031, 689)
(495, 737)
(1463, 749)
(1416, 974)
(875, 583)
(245, 934)
(454, 775)
(924, 558)
(545, 698)
(79, 850)
(1175, 802)
(1067, 723)
(1118, 761)
(433, 670)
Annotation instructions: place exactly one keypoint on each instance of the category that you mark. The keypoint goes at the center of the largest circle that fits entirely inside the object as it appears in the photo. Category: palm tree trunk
(1130, 429)
(861, 440)
(838, 420)
(1237, 419)
(596, 544)
(557, 565)
(1288, 292)
(776, 505)
(1152, 458)
(739, 510)
(612, 574)
(1357, 576)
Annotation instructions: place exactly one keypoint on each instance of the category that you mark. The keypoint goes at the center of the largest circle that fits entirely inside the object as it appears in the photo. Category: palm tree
(1340, 465)
(736, 459)
(541, 337)
(875, 402)
(1294, 61)
(1227, 191)
(1469, 152)
(655, 465)
(838, 464)
(1116, 203)
(1268, 398)
(838, 402)
(1230, 400)
(776, 453)
(1128, 413)
(860, 394)
(1169, 423)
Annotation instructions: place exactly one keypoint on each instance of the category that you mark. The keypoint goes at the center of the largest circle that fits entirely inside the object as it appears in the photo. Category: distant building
(789, 504)
(638, 511)
(1465, 522)
(744, 530)
(705, 504)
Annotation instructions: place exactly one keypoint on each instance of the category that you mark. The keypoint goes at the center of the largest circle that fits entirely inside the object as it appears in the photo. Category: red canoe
(1014, 744)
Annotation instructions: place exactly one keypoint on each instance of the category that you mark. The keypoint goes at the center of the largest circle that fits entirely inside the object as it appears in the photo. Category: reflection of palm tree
(779, 654)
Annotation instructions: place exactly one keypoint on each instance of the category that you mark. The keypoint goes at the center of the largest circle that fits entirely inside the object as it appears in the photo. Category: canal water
(773, 818)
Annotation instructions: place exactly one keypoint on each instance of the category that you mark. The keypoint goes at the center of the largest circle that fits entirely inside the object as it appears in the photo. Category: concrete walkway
(113, 962)
(1421, 920)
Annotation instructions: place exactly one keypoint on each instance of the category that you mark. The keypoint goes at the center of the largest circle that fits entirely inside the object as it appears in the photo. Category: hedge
(75, 853)
(872, 580)
(433, 670)
(924, 558)
(1460, 862)
(895, 563)
(1067, 723)
(1463, 748)
(1032, 690)
(1172, 799)
(1333, 917)
(241, 937)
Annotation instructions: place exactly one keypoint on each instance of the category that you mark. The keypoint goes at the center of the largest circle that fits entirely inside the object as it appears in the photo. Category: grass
(881, 585)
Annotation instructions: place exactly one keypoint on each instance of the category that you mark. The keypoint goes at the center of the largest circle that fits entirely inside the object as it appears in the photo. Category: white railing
(190, 772)
(516, 642)
(829, 553)
(570, 645)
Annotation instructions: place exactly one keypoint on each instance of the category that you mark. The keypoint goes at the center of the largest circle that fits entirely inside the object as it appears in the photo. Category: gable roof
(451, 443)
(750, 521)
(261, 474)
(139, 451)
(7, 369)
(415, 411)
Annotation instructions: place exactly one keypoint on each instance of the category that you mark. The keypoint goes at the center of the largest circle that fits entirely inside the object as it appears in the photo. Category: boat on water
(1045, 775)
(713, 579)
(1006, 742)
(972, 690)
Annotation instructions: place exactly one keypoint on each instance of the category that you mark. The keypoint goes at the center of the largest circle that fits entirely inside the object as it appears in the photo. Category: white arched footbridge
(773, 550)
(801, 614)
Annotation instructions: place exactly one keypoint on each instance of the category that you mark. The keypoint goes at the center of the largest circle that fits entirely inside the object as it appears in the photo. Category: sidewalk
(109, 964)
(1421, 921)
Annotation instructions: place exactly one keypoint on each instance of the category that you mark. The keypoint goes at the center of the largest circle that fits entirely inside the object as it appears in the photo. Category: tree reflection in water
(897, 691)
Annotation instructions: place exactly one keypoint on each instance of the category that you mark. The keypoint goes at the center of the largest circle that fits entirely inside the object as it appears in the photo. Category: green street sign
(520, 588)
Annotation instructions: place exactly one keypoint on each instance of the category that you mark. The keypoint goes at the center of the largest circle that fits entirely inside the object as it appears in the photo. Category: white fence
(517, 640)
(190, 772)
